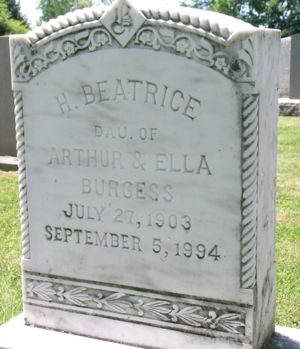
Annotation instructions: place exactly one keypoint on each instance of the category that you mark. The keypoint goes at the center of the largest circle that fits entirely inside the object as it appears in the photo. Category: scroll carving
(202, 50)
(30, 61)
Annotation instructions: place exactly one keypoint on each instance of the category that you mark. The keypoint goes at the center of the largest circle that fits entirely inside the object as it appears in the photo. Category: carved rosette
(131, 305)
(250, 107)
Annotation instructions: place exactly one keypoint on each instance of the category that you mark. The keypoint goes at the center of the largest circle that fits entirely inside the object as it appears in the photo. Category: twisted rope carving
(63, 22)
(212, 23)
(249, 190)
(22, 173)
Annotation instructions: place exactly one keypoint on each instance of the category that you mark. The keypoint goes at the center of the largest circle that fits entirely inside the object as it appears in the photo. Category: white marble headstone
(146, 146)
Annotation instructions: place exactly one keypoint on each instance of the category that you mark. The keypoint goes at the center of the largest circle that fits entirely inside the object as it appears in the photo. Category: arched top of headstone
(217, 26)
(218, 41)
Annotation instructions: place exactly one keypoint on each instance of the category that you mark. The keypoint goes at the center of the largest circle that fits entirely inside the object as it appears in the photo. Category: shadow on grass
(280, 341)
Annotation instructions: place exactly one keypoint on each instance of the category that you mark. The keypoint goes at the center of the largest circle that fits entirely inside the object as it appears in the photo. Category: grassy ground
(10, 282)
(288, 232)
(288, 223)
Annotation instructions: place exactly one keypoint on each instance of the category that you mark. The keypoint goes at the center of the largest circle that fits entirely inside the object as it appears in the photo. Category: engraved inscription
(124, 241)
(127, 190)
(135, 166)
(155, 219)
(136, 91)
(86, 157)
(137, 231)
(115, 159)
(84, 212)
(126, 133)
(95, 238)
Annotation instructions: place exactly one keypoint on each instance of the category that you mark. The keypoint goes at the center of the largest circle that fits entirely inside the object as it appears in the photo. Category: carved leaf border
(30, 60)
(212, 318)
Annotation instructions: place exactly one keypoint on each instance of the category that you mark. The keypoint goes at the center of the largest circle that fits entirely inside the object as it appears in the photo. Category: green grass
(288, 232)
(288, 223)
(10, 280)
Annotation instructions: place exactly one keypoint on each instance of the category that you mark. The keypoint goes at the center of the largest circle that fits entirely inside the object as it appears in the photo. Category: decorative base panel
(156, 309)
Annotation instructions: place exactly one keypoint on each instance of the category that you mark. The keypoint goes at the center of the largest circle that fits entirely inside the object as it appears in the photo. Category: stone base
(16, 335)
(289, 107)
(8, 163)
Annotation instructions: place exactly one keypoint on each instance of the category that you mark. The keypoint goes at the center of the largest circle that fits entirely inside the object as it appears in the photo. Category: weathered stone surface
(285, 67)
(295, 67)
(289, 71)
(30, 337)
(147, 204)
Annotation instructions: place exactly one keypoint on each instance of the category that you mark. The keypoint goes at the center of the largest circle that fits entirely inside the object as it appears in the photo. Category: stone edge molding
(250, 107)
(68, 39)
(205, 21)
(139, 306)
(20, 144)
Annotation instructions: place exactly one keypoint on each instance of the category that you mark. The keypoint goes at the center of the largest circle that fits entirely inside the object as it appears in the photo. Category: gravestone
(146, 148)
(285, 67)
(295, 67)
(7, 120)
(289, 76)
(289, 71)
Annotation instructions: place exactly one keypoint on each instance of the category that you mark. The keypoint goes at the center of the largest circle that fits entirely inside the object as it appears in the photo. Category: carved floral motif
(29, 61)
(196, 316)
(235, 67)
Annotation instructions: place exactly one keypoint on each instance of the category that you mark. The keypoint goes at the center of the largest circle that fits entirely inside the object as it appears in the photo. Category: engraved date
(171, 221)
(200, 251)
(153, 220)
(188, 250)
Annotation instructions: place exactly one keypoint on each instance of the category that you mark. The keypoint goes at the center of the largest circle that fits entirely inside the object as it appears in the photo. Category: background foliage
(13, 22)
(11, 19)
(54, 8)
